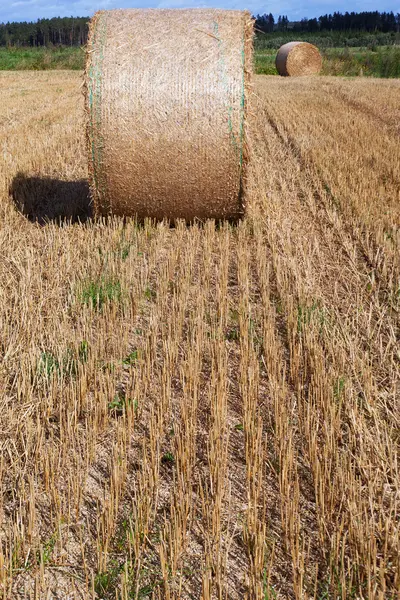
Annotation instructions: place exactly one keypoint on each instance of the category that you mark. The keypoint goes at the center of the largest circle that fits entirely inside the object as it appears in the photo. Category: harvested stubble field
(204, 411)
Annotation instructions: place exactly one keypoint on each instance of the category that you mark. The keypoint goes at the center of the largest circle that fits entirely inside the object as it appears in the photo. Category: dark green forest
(65, 31)
(371, 22)
(72, 31)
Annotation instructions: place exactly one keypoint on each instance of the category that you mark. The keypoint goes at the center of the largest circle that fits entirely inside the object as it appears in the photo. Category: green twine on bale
(94, 97)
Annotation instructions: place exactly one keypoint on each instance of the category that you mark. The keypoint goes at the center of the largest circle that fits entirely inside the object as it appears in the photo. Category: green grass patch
(41, 59)
(264, 62)
(106, 582)
(308, 315)
(68, 364)
(132, 358)
(368, 62)
(347, 62)
(120, 403)
(46, 552)
(97, 294)
(168, 459)
(371, 55)
(150, 294)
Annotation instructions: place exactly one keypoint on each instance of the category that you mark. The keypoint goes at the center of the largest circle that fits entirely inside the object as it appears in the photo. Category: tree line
(60, 31)
(73, 31)
(368, 21)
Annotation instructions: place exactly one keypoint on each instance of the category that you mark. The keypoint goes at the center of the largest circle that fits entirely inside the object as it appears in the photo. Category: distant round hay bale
(298, 58)
(166, 95)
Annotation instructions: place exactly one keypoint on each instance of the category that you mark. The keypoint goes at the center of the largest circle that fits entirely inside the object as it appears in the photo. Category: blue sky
(30, 10)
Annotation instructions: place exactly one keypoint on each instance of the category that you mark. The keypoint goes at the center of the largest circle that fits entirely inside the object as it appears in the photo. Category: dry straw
(298, 58)
(166, 97)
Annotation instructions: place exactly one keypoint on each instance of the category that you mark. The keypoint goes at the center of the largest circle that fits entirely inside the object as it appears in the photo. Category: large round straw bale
(298, 58)
(166, 99)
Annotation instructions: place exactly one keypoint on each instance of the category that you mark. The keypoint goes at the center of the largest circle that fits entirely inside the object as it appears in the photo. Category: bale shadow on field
(45, 199)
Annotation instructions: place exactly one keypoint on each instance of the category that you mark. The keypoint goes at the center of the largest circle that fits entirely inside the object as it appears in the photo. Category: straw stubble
(166, 97)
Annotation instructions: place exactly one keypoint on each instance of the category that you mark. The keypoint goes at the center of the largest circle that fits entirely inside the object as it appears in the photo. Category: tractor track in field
(331, 203)
(355, 253)
(308, 168)
(361, 107)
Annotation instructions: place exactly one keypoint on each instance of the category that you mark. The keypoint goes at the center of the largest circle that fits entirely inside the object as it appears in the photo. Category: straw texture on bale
(298, 58)
(166, 98)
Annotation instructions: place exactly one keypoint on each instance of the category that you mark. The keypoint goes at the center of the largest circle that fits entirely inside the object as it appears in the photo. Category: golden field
(203, 411)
